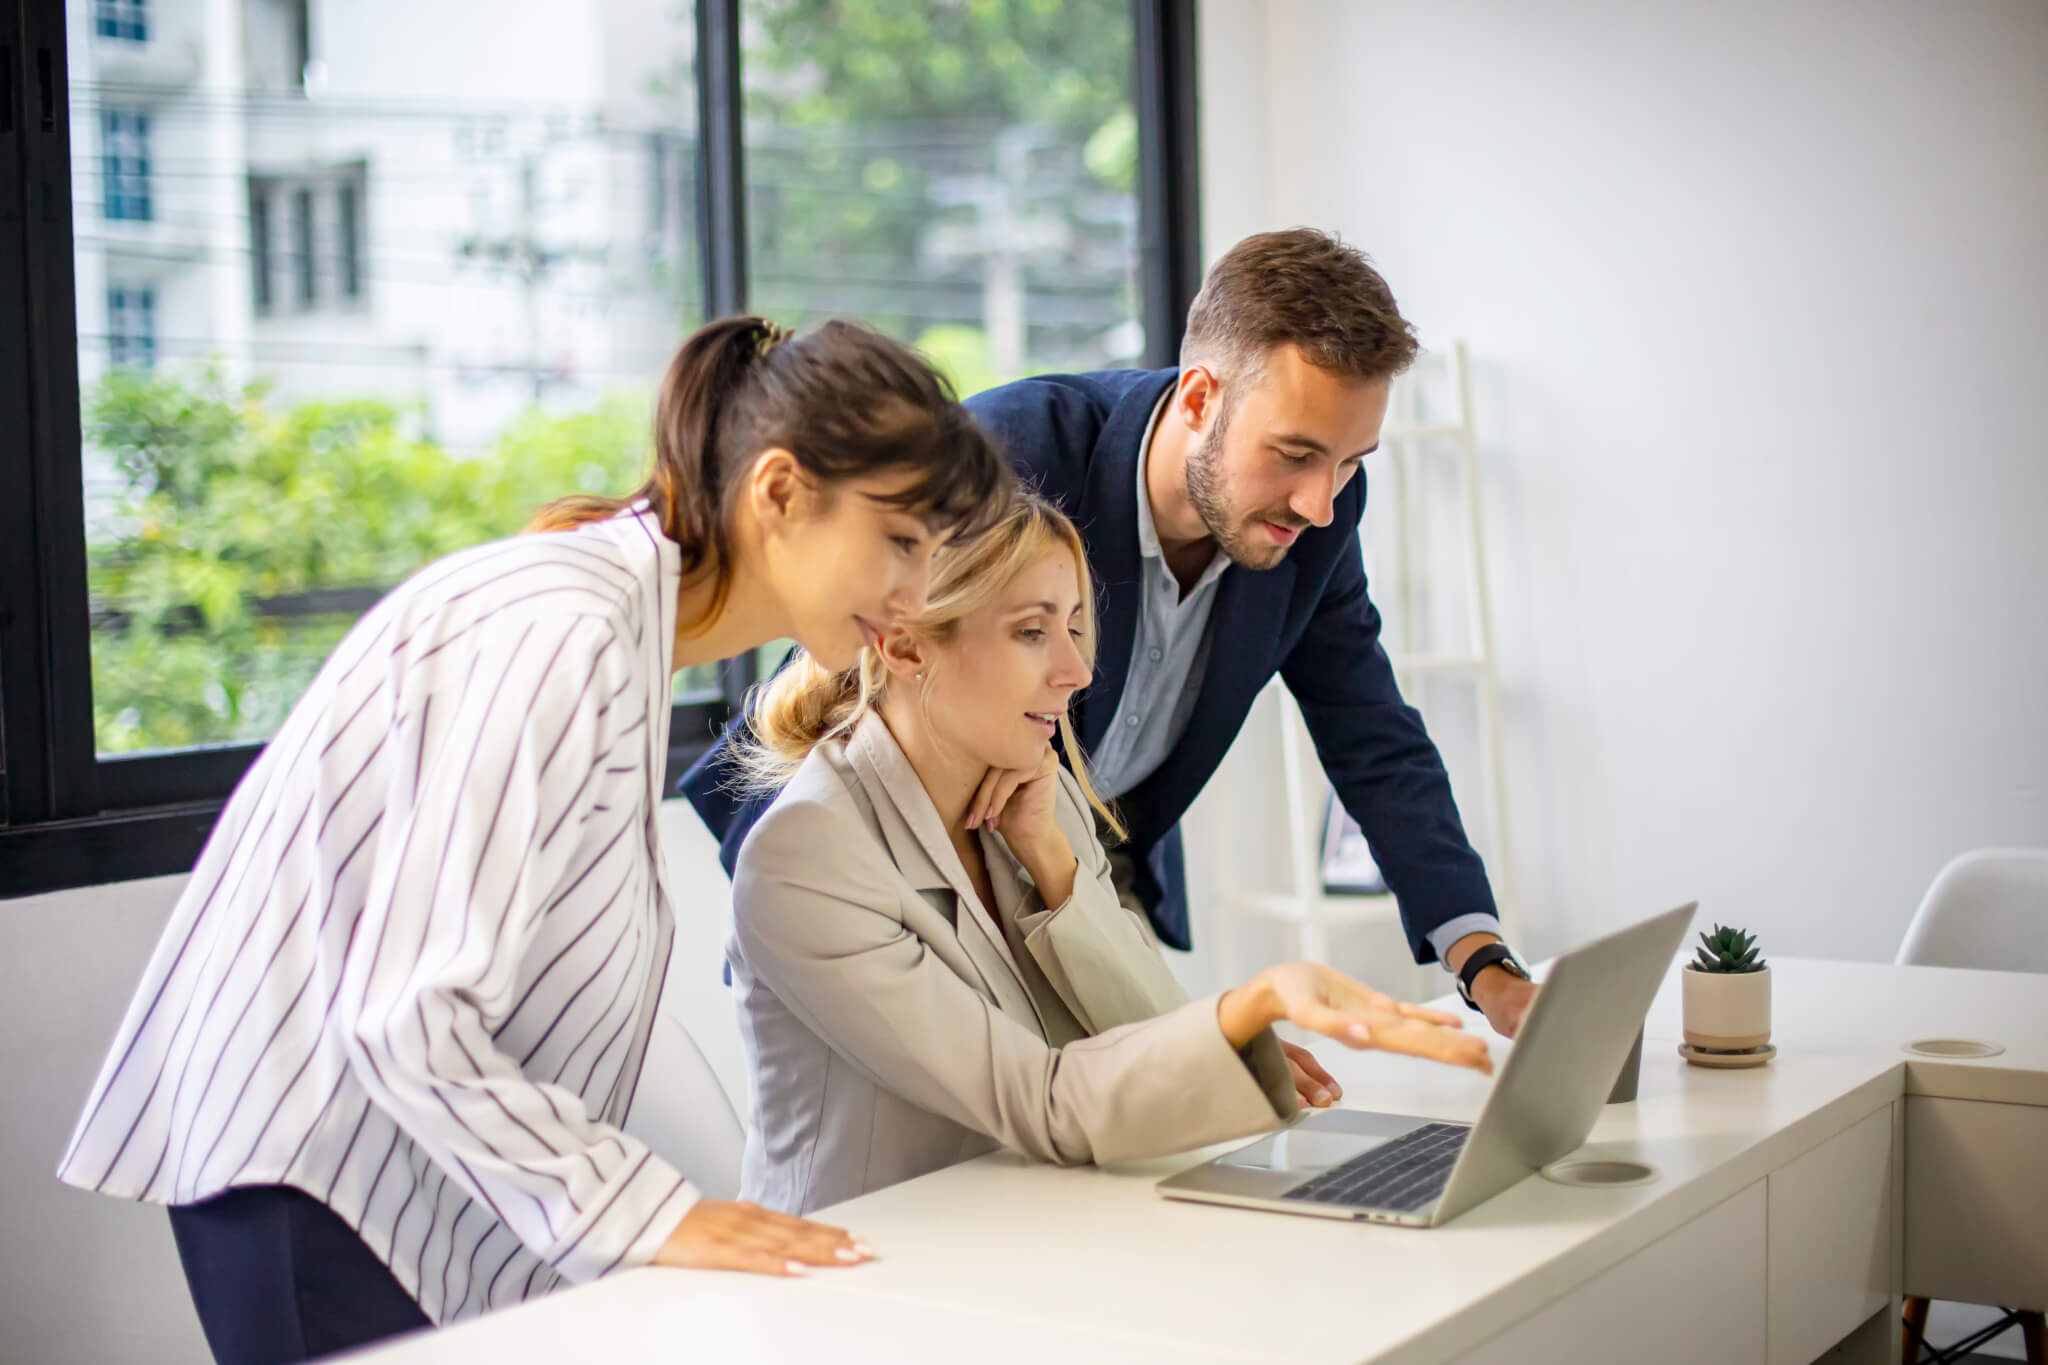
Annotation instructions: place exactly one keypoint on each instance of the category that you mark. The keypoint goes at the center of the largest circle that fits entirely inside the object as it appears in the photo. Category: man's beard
(1240, 540)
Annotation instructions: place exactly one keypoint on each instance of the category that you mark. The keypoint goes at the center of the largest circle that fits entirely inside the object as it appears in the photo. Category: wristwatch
(1492, 955)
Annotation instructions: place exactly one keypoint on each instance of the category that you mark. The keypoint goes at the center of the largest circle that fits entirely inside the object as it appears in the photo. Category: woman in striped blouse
(379, 1060)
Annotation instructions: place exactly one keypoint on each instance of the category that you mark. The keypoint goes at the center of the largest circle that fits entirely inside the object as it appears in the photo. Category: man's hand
(1502, 997)
(1317, 1088)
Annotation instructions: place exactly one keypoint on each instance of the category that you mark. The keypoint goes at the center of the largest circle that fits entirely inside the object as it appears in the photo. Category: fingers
(1315, 1085)
(1392, 1031)
(993, 795)
(1414, 1038)
(982, 804)
(1443, 1018)
(813, 1243)
(719, 1235)
(1310, 1090)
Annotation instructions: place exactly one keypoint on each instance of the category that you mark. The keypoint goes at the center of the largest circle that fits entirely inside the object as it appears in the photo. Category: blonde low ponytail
(797, 710)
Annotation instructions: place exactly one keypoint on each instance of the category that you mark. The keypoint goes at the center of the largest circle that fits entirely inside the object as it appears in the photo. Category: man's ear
(1198, 397)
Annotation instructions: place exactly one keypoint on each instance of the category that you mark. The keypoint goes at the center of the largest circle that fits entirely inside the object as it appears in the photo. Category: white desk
(1778, 1225)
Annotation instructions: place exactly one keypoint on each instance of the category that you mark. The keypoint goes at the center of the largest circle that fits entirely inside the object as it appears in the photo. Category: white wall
(1758, 304)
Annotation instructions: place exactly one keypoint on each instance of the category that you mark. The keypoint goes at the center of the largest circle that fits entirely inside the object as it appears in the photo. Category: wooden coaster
(1727, 1061)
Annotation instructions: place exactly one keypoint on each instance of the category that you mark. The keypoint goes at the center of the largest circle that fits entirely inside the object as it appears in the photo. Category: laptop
(1415, 1172)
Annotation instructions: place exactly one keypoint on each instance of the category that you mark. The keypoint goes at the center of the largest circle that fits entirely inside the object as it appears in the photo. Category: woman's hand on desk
(718, 1234)
(1324, 1000)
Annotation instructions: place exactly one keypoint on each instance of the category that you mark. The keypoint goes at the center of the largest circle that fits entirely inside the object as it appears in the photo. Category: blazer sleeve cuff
(1253, 1090)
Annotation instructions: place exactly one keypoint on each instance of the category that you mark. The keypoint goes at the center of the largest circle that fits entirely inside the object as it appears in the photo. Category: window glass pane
(962, 175)
(359, 285)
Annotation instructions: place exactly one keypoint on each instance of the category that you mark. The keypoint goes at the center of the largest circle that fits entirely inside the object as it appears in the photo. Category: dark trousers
(277, 1277)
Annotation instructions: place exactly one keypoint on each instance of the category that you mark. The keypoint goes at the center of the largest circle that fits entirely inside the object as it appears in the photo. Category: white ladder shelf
(1408, 440)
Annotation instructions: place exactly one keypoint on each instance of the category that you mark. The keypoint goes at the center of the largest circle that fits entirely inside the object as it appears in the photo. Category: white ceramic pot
(1727, 1011)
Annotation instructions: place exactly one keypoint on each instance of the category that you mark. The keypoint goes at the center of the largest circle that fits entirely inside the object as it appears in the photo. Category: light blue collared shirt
(1169, 653)
(1169, 657)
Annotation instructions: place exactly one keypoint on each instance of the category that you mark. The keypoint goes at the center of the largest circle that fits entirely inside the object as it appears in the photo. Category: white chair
(680, 1111)
(1987, 909)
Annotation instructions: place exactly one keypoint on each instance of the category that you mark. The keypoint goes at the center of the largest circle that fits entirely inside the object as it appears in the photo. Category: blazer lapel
(922, 852)
(1108, 518)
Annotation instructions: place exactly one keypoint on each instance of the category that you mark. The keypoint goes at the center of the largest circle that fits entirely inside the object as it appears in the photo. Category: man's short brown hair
(1303, 288)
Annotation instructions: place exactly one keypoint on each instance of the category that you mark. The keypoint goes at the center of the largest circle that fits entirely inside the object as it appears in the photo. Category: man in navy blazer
(1220, 503)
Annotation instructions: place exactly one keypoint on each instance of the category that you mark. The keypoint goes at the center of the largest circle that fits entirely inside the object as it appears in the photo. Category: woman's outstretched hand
(1324, 1000)
(718, 1234)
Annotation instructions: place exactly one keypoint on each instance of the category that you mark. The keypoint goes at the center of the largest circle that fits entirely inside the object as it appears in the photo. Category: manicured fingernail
(796, 1267)
(863, 1248)
(847, 1254)
(1322, 1097)
(1360, 1032)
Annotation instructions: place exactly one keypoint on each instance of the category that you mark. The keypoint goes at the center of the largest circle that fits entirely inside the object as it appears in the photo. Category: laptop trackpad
(1322, 1140)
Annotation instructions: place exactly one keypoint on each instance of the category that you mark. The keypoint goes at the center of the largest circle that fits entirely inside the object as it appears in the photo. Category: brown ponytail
(846, 401)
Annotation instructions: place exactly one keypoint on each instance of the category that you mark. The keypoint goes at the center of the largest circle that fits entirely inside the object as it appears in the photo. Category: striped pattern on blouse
(415, 969)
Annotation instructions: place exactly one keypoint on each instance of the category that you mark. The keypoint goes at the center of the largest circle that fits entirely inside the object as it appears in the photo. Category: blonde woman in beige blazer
(929, 956)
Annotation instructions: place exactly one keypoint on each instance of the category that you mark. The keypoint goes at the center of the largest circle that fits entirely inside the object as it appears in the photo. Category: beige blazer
(894, 1025)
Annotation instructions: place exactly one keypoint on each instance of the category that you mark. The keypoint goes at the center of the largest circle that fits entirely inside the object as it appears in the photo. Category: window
(255, 458)
(348, 247)
(124, 166)
(131, 327)
(324, 210)
(963, 176)
(260, 264)
(127, 19)
(304, 268)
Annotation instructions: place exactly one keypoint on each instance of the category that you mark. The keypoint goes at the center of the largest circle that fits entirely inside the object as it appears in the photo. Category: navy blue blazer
(1076, 439)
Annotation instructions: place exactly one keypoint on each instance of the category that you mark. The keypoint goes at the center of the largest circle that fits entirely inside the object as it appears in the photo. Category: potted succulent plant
(1728, 994)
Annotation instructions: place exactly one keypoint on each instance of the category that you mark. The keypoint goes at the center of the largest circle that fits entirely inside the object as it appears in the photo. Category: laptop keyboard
(1402, 1175)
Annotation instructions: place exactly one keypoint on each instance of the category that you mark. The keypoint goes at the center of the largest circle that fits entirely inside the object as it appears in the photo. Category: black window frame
(71, 818)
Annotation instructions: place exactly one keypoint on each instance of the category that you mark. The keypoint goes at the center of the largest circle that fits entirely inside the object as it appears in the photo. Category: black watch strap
(1492, 955)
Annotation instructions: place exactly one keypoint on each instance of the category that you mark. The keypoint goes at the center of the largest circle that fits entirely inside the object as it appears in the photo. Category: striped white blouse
(415, 969)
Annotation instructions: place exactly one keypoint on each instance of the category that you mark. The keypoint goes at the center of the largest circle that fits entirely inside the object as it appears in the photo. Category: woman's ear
(777, 489)
(903, 654)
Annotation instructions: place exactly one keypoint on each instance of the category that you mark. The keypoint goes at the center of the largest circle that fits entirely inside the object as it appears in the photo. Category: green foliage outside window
(233, 500)
(899, 154)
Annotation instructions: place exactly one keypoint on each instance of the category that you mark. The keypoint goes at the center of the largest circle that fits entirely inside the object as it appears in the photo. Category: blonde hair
(806, 704)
